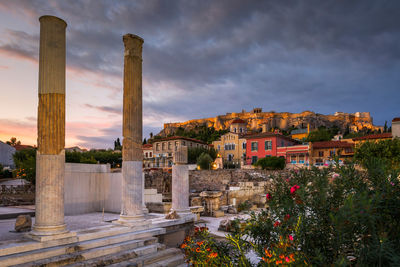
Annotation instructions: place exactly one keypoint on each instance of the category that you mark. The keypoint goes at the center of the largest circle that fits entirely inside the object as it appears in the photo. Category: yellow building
(231, 148)
(300, 134)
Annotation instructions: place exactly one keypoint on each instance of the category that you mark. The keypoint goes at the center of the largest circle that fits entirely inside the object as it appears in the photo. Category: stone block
(23, 223)
(218, 213)
(225, 225)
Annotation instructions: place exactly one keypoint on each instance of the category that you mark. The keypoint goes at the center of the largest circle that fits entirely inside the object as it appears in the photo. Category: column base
(48, 233)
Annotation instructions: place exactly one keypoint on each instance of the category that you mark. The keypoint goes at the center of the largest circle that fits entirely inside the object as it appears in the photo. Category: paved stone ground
(74, 223)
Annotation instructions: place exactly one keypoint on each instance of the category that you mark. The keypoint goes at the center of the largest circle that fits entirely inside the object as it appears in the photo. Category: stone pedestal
(180, 181)
(50, 160)
(132, 210)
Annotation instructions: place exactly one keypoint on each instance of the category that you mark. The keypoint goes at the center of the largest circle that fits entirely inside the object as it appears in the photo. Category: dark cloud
(114, 110)
(204, 58)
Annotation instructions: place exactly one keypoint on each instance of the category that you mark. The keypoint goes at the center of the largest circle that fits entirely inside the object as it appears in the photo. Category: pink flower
(290, 237)
(268, 196)
(294, 188)
(392, 183)
(334, 176)
(287, 259)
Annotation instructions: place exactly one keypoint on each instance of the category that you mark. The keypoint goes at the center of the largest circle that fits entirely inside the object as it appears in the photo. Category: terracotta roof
(374, 136)
(396, 119)
(179, 137)
(268, 134)
(238, 121)
(147, 146)
(22, 147)
(331, 144)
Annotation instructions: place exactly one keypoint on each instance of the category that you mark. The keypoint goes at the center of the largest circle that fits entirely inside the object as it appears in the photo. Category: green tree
(195, 152)
(13, 142)
(387, 151)
(385, 128)
(117, 144)
(204, 161)
(271, 163)
(322, 134)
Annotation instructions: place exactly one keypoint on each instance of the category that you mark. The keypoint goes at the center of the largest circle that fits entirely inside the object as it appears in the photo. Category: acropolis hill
(282, 120)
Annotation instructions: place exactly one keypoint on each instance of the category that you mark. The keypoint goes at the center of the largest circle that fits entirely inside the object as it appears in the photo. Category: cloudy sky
(203, 58)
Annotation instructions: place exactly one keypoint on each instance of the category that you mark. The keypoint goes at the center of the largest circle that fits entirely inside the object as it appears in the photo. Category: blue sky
(202, 59)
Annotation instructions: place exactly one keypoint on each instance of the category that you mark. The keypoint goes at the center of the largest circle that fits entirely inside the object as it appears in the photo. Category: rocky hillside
(284, 120)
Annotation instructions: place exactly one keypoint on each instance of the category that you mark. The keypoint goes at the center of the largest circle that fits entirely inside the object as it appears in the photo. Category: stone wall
(221, 179)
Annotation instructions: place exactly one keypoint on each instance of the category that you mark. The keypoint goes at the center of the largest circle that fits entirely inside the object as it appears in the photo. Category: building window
(147, 155)
(163, 146)
(230, 157)
(241, 130)
(348, 150)
(254, 159)
(332, 153)
(244, 145)
(197, 145)
(234, 129)
(254, 146)
(293, 159)
(268, 145)
(151, 154)
(183, 143)
(321, 153)
(158, 147)
(218, 147)
(169, 146)
(301, 159)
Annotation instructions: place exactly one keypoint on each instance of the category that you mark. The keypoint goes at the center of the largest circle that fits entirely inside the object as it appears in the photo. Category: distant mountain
(256, 119)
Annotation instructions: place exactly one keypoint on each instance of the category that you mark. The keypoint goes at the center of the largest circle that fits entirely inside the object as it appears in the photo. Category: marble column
(180, 181)
(132, 155)
(50, 159)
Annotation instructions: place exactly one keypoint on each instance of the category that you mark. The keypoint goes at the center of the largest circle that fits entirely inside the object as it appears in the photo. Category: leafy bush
(4, 173)
(204, 161)
(25, 162)
(388, 151)
(271, 163)
(195, 152)
(93, 157)
(330, 217)
(246, 205)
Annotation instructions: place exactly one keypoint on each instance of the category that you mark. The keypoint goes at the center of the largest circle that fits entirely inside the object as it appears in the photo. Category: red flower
(276, 224)
(268, 196)
(294, 188)
(290, 237)
(287, 217)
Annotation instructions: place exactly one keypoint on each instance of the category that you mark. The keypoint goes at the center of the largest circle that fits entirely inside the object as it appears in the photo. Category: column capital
(52, 19)
(133, 45)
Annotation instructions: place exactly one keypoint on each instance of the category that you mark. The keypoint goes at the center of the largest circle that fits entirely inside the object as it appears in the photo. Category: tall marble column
(180, 181)
(50, 160)
(132, 154)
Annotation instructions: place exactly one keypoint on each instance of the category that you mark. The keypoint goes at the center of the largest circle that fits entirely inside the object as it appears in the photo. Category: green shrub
(388, 151)
(204, 161)
(243, 206)
(195, 152)
(25, 162)
(271, 163)
(337, 216)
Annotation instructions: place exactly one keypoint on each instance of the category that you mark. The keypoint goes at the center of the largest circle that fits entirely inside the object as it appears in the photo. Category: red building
(265, 145)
